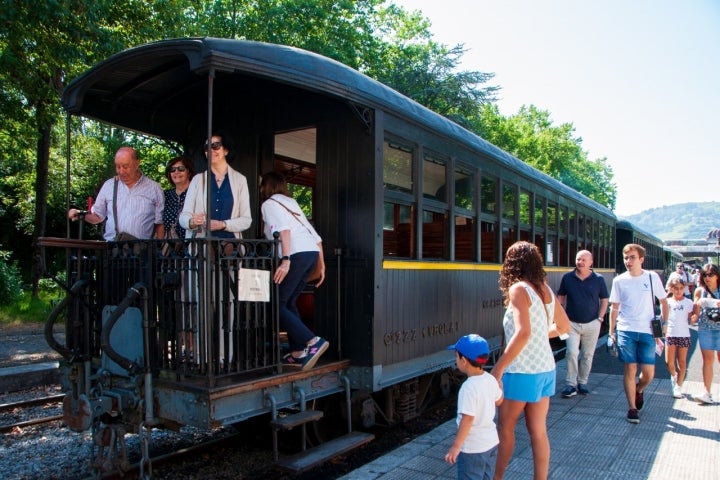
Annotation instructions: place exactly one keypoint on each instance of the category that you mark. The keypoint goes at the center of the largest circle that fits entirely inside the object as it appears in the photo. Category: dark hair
(523, 262)
(187, 163)
(272, 183)
(708, 268)
(227, 143)
(478, 362)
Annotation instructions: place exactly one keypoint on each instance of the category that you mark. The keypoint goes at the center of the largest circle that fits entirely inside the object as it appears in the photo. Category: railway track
(25, 408)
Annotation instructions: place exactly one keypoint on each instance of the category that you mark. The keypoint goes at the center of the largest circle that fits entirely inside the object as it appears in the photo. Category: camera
(713, 314)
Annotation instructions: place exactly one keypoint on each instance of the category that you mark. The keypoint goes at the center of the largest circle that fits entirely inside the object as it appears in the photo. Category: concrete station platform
(590, 437)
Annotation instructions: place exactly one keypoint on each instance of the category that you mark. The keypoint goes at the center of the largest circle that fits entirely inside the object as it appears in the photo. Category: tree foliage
(45, 44)
(531, 136)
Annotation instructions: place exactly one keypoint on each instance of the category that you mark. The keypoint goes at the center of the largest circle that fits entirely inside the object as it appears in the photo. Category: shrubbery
(11, 285)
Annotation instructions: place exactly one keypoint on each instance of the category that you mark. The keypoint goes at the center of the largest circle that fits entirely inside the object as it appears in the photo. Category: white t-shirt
(678, 321)
(477, 398)
(276, 213)
(635, 299)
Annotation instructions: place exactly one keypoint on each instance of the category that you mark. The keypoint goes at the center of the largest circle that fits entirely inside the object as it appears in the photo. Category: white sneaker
(677, 391)
(705, 398)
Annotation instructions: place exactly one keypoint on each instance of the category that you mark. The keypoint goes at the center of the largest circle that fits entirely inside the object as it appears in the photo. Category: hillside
(681, 221)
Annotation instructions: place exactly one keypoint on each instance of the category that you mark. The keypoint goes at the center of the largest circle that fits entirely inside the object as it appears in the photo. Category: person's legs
(681, 354)
(289, 290)
(536, 422)
(708, 357)
(508, 414)
(572, 350)
(670, 357)
(588, 341)
(629, 372)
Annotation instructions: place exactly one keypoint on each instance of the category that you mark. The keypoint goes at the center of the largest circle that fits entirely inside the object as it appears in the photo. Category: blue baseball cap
(471, 346)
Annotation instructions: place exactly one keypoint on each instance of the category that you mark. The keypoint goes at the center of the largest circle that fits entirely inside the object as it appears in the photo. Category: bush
(11, 285)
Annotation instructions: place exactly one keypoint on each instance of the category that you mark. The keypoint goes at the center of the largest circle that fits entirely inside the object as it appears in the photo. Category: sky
(638, 79)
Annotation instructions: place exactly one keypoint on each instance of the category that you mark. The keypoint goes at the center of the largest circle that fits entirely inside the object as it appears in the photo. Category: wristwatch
(284, 257)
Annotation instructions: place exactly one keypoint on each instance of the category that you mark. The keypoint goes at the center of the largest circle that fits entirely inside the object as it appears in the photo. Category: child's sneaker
(314, 352)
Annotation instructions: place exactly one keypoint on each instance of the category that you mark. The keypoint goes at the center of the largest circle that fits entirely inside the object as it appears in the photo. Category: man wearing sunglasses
(131, 202)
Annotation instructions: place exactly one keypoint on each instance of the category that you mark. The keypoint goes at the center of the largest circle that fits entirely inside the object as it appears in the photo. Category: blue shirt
(582, 297)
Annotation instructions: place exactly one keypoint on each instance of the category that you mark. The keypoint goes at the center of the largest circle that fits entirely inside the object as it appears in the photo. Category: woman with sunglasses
(179, 171)
(708, 325)
(230, 212)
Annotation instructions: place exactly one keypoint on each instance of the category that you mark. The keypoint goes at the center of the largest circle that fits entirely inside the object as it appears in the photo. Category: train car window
(524, 207)
(509, 193)
(539, 212)
(464, 189)
(398, 231)
(465, 238)
(563, 252)
(435, 235)
(509, 236)
(488, 195)
(572, 224)
(562, 221)
(303, 194)
(488, 243)
(434, 178)
(550, 251)
(552, 217)
(397, 167)
(581, 231)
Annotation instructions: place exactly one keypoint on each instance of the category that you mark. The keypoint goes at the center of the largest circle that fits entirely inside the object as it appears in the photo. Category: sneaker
(289, 361)
(633, 416)
(569, 392)
(705, 398)
(583, 389)
(314, 352)
(639, 399)
(677, 391)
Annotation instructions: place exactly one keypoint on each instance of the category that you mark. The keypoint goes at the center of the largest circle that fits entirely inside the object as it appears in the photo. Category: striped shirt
(139, 208)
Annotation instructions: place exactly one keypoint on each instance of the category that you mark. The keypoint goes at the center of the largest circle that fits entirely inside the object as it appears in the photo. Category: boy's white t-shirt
(678, 322)
(635, 297)
(477, 398)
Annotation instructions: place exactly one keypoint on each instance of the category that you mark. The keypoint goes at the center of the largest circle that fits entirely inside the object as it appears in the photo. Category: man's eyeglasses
(179, 168)
(216, 145)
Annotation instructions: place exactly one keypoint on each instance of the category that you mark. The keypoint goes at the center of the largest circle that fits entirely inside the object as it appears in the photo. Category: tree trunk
(41, 194)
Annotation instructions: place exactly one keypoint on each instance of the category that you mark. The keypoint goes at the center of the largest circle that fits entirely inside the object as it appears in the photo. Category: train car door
(295, 158)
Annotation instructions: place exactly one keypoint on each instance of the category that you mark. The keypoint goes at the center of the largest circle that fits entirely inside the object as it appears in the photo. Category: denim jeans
(585, 336)
(301, 265)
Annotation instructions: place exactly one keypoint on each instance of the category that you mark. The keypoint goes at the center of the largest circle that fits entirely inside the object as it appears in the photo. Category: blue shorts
(528, 387)
(709, 339)
(636, 347)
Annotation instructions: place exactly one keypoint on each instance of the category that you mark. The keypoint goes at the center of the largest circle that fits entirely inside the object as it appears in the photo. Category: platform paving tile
(426, 464)
(590, 438)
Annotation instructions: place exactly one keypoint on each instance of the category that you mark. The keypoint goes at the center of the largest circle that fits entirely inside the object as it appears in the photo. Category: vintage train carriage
(656, 258)
(415, 213)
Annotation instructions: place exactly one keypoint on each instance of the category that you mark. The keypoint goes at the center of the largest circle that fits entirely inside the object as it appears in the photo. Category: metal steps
(312, 457)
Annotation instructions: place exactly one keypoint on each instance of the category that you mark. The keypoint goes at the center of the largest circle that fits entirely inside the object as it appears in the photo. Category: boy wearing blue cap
(475, 446)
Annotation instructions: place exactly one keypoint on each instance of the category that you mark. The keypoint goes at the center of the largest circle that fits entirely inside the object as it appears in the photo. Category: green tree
(531, 136)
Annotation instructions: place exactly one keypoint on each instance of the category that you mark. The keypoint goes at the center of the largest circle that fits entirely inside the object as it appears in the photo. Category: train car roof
(629, 226)
(161, 88)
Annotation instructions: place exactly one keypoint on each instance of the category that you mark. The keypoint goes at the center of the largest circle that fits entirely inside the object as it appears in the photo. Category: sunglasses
(215, 145)
(179, 168)
(709, 274)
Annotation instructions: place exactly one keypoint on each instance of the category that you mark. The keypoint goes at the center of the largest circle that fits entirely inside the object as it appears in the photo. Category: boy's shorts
(528, 387)
(477, 466)
(636, 347)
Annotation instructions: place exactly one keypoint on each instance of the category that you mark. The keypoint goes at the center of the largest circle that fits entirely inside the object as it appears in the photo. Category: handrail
(66, 353)
(126, 363)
